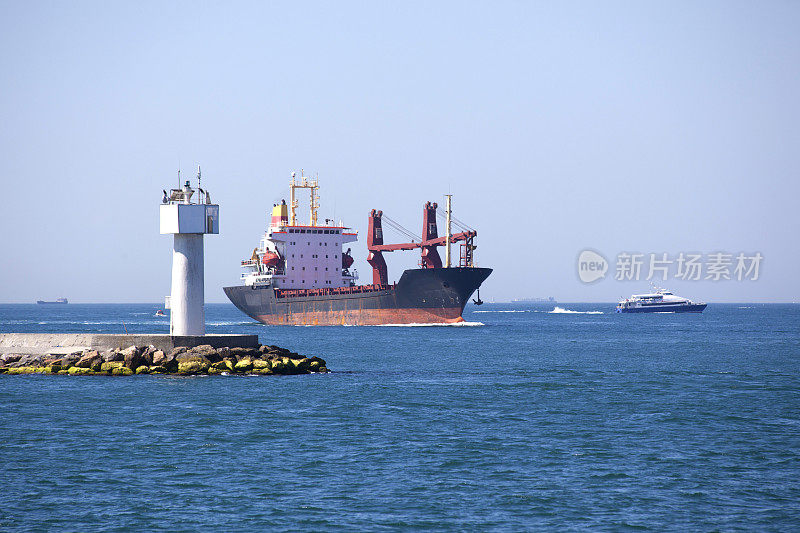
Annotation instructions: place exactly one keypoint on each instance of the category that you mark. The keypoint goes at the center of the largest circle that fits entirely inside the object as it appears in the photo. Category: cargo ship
(57, 301)
(300, 275)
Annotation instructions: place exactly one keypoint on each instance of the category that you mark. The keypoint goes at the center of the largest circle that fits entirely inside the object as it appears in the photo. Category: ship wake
(425, 325)
(508, 311)
(561, 310)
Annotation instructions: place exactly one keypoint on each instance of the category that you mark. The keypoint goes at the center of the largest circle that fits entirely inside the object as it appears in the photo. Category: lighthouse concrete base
(65, 343)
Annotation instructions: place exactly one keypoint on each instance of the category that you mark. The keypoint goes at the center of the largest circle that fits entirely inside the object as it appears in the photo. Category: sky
(558, 127)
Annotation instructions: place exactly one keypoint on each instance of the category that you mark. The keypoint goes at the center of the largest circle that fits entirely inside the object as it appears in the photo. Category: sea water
(534, 417)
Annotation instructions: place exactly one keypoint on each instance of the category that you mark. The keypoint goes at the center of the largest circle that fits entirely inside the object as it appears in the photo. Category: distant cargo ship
(548, 300)
(661, 301)
(299, 275)
(57, 301)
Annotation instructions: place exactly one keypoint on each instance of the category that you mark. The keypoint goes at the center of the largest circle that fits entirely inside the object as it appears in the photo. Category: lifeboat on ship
(270, 259)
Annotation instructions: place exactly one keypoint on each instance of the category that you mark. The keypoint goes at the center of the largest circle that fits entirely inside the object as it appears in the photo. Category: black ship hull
(423, 295)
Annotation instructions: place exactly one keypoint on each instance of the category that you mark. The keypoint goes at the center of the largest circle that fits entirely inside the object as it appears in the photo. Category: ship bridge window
(302, 231)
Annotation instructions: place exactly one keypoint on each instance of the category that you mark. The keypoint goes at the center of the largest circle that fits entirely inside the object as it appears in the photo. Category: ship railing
(330, 291)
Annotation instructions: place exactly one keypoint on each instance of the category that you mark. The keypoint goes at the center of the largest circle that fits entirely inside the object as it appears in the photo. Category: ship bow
(440, 288)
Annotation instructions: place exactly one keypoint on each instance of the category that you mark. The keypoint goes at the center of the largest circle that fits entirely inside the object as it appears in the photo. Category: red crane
(430, 240)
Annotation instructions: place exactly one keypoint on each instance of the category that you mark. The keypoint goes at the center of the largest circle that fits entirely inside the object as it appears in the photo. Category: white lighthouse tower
(188, 222)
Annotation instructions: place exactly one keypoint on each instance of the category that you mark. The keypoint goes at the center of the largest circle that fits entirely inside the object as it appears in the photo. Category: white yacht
(660, 301)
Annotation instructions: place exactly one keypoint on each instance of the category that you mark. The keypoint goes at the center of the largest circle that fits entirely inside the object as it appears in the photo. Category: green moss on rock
(278, 366)
(220, 366)
(192, 363)
(260, 364)
(244, 365)
(191, 367)
(109, 366)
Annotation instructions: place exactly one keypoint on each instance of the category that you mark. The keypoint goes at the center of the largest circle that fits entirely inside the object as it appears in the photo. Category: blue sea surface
(522, 419)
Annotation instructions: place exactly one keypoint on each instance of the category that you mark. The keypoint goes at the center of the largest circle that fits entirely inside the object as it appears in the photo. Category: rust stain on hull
(365, 317)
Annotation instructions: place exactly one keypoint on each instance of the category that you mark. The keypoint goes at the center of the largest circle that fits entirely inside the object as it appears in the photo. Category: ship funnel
(280, 215)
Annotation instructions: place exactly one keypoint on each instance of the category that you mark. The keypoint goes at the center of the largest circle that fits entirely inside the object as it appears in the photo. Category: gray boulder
(132, 357)
(112, 355)
(31, 360)
(91, 359)
(147, 355)
(70, 360)
(9, 358)
(241, 353)
(207, 351)
(179, 349)
(158, 358)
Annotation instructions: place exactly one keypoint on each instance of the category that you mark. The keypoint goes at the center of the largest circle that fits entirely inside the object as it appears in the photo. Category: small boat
(160, 313)
(660, 301)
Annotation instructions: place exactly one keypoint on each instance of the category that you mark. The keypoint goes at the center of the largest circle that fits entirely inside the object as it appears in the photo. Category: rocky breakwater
(264, 360)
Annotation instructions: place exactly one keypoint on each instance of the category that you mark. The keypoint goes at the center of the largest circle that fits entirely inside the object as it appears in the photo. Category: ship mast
(449, 229)
(303, 183)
